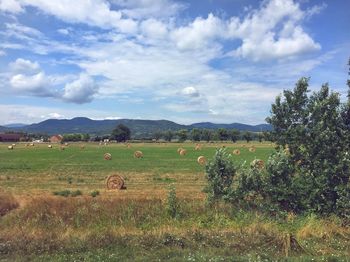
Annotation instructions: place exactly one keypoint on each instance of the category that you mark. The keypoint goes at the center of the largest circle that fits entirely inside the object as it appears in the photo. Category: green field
(133, 224)
(40, 168)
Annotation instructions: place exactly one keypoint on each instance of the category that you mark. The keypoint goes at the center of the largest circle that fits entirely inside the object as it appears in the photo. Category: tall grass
(54, 225)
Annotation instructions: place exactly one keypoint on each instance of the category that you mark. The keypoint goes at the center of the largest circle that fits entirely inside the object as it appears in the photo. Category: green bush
(95, 193)
(172, 204)
(64, 193)
(76, 193)
(219, 172)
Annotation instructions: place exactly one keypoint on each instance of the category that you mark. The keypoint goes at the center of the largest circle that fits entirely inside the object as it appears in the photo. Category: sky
(221, 61)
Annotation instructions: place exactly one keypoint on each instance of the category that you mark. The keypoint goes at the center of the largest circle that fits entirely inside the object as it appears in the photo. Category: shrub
(172, 205)
(64, 193)
(76, 193)
(95, 193)
(7, 203)
(219, 172)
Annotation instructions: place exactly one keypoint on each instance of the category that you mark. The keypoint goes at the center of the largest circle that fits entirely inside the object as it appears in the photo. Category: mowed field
(135, 224)
(38, 169)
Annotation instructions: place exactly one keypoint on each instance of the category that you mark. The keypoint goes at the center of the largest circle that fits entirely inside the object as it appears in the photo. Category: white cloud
(2, 53)
(81, 90)
(153, 28)
(24, 66)
(53, 115)
(82, 12)
(63, 31)
(14, 113)
(139, 9)
(262, 38)
(33, 84)
(10, 6)
(199, 32)
(190, 91)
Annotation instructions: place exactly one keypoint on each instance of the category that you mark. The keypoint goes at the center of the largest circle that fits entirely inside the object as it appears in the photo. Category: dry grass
(7, 203)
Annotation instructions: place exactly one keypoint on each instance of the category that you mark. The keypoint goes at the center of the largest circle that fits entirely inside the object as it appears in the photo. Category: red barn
(56, 139)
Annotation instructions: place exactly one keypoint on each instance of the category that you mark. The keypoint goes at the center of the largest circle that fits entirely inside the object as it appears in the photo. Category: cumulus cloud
(103, 16)
(24, 66)
(273, 31)
(190, 91)
(81, 90)
(199, 32)
(10, 6)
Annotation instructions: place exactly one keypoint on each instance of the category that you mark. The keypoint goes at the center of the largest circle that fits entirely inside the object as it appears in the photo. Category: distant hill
(15, 125)
(139, 128)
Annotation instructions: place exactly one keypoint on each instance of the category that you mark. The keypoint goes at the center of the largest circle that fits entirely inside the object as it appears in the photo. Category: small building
(10, 137)
(56, 139)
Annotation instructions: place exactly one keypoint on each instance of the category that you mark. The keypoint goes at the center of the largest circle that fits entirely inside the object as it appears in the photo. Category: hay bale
(198, 147)
(10, 147)
(13, 145)
(138, 154)
(257, 163)
(183, 152)
(107, 156)
(236, 152)
(32, 144)
(82, 147)
(66, 144)
(252, 149)
(201, 160)
(179, 149)
(49, 146)
(62, 148)
(115, 182)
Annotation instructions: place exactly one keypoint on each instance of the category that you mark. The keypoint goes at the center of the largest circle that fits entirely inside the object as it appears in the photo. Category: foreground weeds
(96, 229)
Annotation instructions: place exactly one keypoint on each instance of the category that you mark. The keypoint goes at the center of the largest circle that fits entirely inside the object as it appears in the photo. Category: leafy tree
(157, 135)
(121, 133)
(182, 134)
(247, 136)
(168, 135)
(312, 129)
(260, 137)
(222, 134)
(234, 135)
(207, 135)
(196, 134)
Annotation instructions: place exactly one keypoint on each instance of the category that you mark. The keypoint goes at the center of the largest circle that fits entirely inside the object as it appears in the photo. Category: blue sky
(222, 61)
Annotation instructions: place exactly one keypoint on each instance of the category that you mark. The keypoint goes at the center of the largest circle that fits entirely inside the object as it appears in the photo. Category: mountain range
(139, 128)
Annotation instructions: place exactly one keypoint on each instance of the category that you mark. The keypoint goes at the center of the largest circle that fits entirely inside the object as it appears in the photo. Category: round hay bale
(82, 147)
(13, 144)
(66, 144)
(62, 148)
(201, 160)
(179, 149)
(236, 152)
(107, 156)
(138, 154)
(32, 144)
(183, 152)
(252, 149)
(198, 147)
(49, 146)
(10, 147)
(115, 182)
(257, 163)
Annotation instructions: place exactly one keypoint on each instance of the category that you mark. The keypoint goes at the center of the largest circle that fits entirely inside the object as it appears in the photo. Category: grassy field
(41, 169)
(132, 224)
